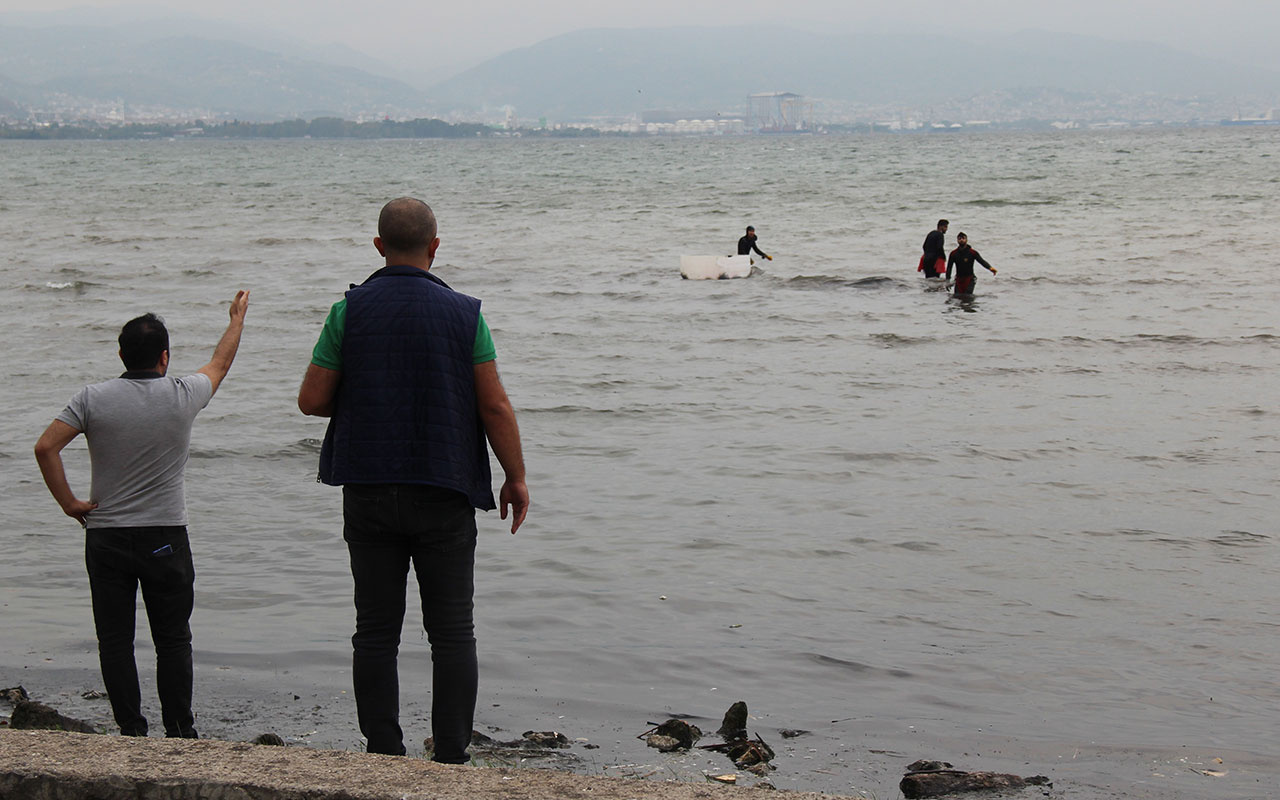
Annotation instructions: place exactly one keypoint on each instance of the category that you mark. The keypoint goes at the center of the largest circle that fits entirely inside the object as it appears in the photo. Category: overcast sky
(450, 36)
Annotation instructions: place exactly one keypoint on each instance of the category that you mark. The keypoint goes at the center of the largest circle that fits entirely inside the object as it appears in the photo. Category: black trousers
(158, 559)
(387, 528)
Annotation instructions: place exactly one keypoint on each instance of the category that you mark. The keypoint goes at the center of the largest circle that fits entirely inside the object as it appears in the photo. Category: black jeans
(387, 527)
(158, 559)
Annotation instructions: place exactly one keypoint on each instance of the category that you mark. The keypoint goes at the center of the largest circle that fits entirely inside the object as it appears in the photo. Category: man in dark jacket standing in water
(935, 251)
(405, 370)
(748, 243)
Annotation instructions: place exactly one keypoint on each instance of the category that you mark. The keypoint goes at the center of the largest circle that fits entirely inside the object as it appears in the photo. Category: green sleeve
(328, 350)
(484, 349)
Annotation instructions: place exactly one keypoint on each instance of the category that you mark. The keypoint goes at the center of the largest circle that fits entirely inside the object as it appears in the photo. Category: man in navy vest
(405, 370)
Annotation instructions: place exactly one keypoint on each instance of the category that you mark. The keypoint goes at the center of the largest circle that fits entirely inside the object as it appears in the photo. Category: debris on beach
(940, 778)
(550, 739)
(753, 755)
(672, 735)
(32, 716)
(269, 739)
(734, 725)
(14, 695)
(531, 744)
(746, 753)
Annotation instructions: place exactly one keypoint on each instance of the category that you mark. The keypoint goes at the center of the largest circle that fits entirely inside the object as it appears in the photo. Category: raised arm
(225, 352)
(500, 427)
(49, 456)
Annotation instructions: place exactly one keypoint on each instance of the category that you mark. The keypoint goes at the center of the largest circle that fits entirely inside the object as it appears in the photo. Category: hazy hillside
(106, 65)
(625, 71)
(163, 63)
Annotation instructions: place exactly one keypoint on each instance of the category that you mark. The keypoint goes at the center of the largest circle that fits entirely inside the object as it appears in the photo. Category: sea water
(1034, 531)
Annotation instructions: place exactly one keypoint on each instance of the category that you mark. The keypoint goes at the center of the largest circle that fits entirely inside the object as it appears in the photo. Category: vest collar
(404, 271)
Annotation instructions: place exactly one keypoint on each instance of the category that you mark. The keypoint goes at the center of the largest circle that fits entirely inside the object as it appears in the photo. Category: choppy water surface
(1034, 533)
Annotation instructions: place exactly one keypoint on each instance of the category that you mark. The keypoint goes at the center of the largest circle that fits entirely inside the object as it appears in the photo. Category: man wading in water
(962, 259)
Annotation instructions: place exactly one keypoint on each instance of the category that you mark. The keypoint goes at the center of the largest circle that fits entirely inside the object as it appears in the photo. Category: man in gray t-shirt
(138, 427)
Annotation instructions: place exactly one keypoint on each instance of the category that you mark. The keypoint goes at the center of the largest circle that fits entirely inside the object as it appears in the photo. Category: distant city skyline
(443, 39)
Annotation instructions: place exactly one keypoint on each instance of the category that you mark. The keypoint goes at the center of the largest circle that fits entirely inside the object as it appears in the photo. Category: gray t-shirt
(139, 431)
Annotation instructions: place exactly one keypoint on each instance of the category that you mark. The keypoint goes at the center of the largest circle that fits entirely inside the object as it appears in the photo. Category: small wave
(1240, 539)
(76, 286)
(1051, 201)
(833, 282)
(898, 340)
(276, 241)
(906, 458)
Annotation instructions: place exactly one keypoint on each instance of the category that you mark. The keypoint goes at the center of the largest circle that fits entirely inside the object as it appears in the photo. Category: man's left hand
(79, 509)
(516, 495)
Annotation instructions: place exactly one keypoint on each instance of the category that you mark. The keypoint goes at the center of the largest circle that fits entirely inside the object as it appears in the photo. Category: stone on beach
(29, 715)
(674, 734)
(939, 779)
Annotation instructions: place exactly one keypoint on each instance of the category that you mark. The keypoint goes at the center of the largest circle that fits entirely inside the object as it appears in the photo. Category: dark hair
(942, 222)
(961, 235)
(750, 228)
(142, 340)
(406, 225)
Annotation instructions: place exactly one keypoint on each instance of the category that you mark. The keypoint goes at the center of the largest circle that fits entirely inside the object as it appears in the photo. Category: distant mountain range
(84, 65)
(595, 72)
(623, 71)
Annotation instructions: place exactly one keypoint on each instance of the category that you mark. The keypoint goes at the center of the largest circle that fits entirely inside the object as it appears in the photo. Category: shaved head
(407, 226)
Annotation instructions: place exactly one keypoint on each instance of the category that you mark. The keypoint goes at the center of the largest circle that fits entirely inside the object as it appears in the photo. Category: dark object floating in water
(270, 739)
(939, 778)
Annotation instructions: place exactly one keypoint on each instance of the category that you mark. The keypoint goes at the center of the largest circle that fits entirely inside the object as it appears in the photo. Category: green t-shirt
(328, 350)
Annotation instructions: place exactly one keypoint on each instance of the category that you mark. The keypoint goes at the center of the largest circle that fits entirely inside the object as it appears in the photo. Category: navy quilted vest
(406, 405)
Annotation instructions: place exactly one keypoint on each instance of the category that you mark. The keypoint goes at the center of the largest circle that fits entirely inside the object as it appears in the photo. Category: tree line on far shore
(319, 128)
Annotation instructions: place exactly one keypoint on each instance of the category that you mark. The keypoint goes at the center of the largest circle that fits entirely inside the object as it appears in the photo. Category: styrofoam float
(704, 268)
